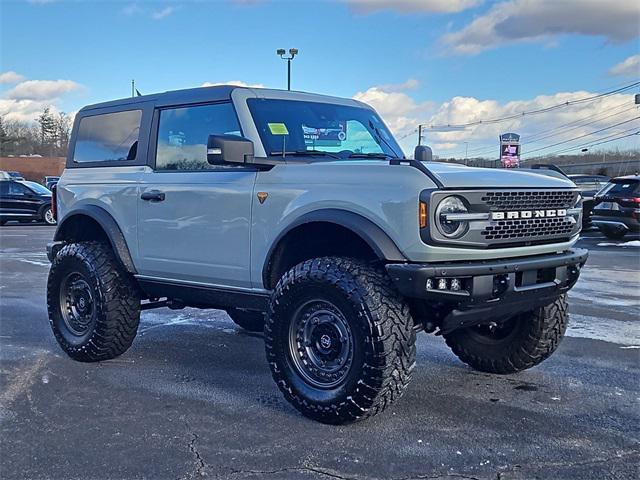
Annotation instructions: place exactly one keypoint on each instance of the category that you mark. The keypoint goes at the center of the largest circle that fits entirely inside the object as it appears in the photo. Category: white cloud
(42, 89)
(165, 12)
(542, 20)
(601, 113)
(23, 110)
(28, 99)
(412, 6)
(10, 77)
(403, 113)
(132, 9)
(628, 68)
(410, 84)
(238, 83)
(399, 110)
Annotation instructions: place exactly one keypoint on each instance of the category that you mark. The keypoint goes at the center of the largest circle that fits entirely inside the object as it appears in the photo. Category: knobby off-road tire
(93, 302)
(344, 316)
(250, 320)
(520, 343)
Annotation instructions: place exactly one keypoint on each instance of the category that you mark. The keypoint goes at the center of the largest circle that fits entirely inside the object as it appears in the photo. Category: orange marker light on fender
(422, 215)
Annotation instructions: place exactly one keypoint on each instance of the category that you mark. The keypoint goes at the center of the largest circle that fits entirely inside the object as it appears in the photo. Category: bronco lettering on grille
(518, 214)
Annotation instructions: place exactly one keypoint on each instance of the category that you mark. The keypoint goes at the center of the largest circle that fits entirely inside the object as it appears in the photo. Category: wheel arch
(353, 231)
(90, 222)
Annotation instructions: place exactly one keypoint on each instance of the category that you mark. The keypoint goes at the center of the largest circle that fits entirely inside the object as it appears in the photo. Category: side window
(110, 137)
(18, 189)
(4, 188)
(183, 134)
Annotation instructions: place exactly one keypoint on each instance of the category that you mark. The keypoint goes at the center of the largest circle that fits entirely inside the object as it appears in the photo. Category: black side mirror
(423, 153)
(223, 149)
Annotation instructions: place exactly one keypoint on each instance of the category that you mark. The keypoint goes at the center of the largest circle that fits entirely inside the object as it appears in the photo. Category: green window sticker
(278, 129)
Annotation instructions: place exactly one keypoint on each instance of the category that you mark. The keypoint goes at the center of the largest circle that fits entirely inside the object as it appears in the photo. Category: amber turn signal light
(422, 215)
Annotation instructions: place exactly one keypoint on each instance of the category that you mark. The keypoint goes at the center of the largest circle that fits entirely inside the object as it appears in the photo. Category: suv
(299, 215)
(24, 201)
(589, 185)
(617, 207)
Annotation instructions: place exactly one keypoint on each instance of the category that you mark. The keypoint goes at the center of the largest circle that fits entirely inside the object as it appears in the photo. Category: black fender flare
(381, 244)
(108, 225)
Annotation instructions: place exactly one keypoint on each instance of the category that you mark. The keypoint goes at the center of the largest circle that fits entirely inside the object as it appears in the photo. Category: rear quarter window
(109, 137)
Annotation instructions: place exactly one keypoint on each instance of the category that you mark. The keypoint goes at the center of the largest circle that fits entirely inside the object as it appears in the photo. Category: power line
(599, 141)
(537, 111)
(561, 129)
(581, 136)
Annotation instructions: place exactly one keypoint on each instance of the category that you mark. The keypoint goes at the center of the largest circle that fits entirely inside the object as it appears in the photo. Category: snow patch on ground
(622, 332)
(632, 243)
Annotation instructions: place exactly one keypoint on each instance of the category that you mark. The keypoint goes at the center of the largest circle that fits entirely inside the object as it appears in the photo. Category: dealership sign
(510, 150)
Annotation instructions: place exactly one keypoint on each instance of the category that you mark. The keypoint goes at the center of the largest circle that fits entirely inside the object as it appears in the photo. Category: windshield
(36, 187)
(315, 128)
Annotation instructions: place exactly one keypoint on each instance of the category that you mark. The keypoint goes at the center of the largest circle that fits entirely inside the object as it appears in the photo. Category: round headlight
(448, 227)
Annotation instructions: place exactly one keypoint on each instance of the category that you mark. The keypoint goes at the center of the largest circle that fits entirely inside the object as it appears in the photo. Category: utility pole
(419, 134)
(292, 53)
(466, 150)
(133, 88)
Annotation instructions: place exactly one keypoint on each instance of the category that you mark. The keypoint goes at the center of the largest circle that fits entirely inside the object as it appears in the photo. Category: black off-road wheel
(613, 233)
(250, 320)
(339, 340)
(93, 302)
(517, 344)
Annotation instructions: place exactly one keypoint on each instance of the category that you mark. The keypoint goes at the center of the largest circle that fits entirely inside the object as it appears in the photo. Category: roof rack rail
(420, 166)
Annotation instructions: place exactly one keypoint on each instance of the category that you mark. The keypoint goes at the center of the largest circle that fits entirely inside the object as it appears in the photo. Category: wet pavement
(193, 397)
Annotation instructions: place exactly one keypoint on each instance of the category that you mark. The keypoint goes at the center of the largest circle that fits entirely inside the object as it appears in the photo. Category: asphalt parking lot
(194, 398)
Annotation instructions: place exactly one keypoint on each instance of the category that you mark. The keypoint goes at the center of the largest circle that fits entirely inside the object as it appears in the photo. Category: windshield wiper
(310, 153)
(371, 155)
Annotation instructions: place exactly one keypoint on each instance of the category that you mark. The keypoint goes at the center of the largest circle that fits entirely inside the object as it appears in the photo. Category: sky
(432, 62)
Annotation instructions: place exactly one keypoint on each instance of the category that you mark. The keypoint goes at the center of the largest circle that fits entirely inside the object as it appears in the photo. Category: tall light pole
(292, 53)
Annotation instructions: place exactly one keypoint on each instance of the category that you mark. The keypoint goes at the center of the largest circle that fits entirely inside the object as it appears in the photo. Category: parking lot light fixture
(292, 53)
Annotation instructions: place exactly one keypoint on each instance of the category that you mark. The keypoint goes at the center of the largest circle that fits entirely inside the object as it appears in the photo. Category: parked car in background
(25, 201)
(50, 181)
(16, 175)
(617, 207)
(589, 185)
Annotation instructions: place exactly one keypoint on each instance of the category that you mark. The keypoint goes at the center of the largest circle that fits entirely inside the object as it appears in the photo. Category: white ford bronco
(301, 217)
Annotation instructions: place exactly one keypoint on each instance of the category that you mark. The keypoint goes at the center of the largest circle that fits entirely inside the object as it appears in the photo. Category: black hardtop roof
(189, 95)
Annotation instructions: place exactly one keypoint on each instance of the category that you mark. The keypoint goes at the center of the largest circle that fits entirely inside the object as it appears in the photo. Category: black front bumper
(489, 290)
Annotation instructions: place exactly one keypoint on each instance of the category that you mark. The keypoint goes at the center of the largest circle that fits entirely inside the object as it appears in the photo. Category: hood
(460, 176)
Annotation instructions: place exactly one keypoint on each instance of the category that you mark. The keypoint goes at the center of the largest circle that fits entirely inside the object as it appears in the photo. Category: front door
(19, 201)
(195, 218)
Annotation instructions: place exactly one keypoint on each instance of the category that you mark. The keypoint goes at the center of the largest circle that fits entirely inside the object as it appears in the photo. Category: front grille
(530, 228)
(529, 200)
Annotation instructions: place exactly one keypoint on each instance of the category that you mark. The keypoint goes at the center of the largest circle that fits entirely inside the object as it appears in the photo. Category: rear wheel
(250, 320)
(47, 216)
(517, 344)
(613, 233)
(93, 302)
(340, 341)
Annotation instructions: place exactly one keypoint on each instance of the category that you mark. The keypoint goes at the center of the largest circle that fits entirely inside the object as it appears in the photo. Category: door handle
(153, 196)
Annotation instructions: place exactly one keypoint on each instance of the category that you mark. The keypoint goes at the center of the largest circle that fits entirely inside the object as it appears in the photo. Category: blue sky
(409, 58)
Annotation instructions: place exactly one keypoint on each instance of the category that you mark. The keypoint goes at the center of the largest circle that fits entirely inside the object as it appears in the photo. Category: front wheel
(340, 341)
(514, 345)
(93, 302)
